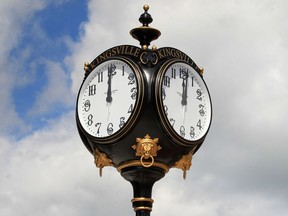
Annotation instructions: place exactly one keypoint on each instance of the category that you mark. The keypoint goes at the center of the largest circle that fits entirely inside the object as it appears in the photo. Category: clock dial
(110, 99)
(183, 102)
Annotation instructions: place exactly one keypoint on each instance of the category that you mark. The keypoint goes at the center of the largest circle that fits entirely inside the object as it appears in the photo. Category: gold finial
(145, 34)
(201, 71)
(146, 7)
(154, 48)
(86, 67)
(144, 47)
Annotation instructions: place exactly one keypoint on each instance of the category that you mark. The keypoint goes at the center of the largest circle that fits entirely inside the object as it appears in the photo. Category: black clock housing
(148, 144)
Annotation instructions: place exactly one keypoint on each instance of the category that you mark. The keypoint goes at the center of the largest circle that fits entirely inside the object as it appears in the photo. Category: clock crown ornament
(145, 34)
(143, 111)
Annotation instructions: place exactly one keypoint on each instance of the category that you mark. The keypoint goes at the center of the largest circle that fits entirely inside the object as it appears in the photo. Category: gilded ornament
(146, 148)
(185, 163)
(101, 160)
(201, 71)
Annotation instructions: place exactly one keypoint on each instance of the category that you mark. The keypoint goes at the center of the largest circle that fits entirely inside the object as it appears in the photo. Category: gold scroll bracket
(184, 163)
(146, 148)
(101, 160)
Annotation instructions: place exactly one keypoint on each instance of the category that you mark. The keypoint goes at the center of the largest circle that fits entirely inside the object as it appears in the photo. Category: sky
(240, 170)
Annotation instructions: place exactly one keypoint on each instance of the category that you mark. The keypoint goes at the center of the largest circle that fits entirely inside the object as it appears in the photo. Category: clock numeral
(199, 124)
(123, 71)
(166, 110)
(131, 78)
(172, 121)
(192, 132)
(110, 129)
(92, 90)
(130, 110)
(192, 81)
(201, 111)
(183, 73)
(173, 73)
(166, 81)
(98, 126)
(87, 105)
(199, 93)
(122, 122)
(90, 120)
(134, 93)
(100, 76)
(112, 70)
(163, 94)
(182, 131)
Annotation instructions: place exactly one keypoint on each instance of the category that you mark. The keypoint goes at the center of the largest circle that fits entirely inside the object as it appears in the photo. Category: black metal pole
(142, 180)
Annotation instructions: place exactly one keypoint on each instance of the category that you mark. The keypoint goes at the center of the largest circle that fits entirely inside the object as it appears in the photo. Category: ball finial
(146, 7)
(145, 47)
(86, 66)
(145, 34)
(201, 71)
(154, 48)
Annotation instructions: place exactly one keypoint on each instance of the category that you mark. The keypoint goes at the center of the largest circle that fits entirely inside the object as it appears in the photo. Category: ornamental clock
(143, 111)
(183, 102)
(110, 99)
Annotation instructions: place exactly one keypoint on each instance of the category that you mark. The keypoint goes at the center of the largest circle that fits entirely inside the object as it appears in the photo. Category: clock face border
(161, 110)
(136, 110)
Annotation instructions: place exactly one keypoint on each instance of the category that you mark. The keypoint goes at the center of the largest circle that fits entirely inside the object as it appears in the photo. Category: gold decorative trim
(143, 54)
(101, 160)
(142, 199)
(134, 163)
(86, 68)
(201, 69)
(145, 208)
(146, 148)
(185, 163)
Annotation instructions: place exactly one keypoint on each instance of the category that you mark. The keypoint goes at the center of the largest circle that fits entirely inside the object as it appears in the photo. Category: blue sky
(43, 38)
(241, 169)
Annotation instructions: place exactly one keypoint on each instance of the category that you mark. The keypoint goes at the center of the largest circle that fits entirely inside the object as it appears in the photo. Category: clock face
(110, 99)
(183, 102)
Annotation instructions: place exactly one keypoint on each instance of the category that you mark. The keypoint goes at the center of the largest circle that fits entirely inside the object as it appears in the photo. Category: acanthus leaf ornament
(101, 160)
(185, 163)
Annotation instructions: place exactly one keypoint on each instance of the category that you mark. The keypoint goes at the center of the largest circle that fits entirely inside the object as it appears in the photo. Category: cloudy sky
(242, 168)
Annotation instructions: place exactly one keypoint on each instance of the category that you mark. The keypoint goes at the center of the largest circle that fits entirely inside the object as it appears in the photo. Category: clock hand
(184, 90)
(109, 93)
(108, 111)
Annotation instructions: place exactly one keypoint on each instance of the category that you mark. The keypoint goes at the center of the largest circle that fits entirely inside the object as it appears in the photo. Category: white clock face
(185, 101)
(109, 98)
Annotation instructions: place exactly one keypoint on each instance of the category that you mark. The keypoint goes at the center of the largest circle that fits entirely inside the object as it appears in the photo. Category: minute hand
(184, 90)
(109, 93)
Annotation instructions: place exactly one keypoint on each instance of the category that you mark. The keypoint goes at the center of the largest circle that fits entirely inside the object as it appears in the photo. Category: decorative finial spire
(145, 34)
(145, 18)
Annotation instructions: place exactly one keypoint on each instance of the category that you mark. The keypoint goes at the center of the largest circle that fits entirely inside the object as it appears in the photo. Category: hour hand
(109, 92)
(184, 90)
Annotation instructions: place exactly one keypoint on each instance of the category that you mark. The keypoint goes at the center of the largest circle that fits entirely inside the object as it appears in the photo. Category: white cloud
(56, 93)
(13, 15)
(51, 173)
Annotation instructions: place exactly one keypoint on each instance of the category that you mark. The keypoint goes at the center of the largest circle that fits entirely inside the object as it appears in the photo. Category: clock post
(143, 111)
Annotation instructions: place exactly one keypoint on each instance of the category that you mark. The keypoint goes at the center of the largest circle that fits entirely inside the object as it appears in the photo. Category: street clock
(143, 111)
